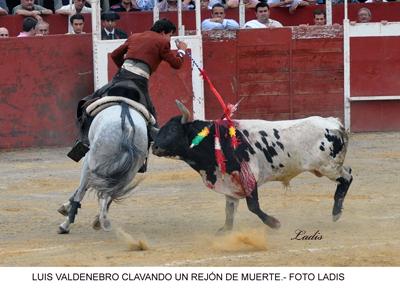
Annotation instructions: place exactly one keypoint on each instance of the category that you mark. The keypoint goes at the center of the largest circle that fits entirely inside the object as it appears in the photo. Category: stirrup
(143, 169)
(78, 151)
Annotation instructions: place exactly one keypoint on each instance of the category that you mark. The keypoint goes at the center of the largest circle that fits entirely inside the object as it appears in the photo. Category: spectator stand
(362, 44)
(102, 48)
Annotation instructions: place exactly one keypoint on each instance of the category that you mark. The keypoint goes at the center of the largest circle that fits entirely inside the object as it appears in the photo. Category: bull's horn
(185, 112)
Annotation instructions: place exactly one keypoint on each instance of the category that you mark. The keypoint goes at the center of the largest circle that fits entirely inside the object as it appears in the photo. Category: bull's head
(172, 140)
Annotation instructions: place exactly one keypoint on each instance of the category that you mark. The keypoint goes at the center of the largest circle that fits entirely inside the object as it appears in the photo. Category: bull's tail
(114, 173)
(337, 135)
(344, 134)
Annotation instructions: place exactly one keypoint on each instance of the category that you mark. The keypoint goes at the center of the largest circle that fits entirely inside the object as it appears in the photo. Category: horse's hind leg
(344, 181)
(101, 220)
(96, 223)
(70, 208)
(254, 206)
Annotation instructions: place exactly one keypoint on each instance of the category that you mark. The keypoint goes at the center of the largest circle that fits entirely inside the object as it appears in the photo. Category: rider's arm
(118, 54)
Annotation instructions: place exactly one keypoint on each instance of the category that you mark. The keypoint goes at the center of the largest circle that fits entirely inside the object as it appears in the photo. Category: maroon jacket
(149, 47)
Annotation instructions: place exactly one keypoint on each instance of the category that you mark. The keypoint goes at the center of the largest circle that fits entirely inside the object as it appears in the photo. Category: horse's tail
(114, 174)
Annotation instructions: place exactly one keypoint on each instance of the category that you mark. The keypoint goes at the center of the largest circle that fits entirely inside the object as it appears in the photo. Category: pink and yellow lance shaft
(200, 136)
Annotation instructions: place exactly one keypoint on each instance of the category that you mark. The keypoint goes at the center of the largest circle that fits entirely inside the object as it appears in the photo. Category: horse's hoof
(336, 217)
(273, 222)
(106, 225)
(63, 210)
(96, 223)
(62, 230)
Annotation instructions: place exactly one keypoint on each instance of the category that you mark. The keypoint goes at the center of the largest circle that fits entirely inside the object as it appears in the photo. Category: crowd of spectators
(34, 10)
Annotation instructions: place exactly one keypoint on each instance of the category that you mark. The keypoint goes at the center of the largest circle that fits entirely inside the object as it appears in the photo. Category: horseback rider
(136, 59)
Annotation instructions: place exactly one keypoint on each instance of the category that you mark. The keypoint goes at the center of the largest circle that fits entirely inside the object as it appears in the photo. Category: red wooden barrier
(40, 85)
(140, 21)
(280, 73)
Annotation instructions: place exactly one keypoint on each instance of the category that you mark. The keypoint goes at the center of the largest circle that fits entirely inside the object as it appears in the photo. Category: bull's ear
(185, 112)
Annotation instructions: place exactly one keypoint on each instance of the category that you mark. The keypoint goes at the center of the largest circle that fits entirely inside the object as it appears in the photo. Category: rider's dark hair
(163, 25)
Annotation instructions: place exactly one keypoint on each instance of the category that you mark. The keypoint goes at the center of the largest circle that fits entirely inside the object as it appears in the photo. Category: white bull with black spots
(274, 151)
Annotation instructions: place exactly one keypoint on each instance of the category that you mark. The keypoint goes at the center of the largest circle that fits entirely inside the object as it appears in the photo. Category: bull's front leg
(254, 206)
(230, 211)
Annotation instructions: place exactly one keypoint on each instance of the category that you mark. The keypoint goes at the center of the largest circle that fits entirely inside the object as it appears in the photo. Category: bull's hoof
(62, 230)
(337, 209)
(96, 223)
(273, 222)
(63, 210)
(336, 217)
(223, 230)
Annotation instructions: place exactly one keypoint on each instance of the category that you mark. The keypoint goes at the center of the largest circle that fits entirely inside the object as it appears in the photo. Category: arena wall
(279, 74)
(140, 21)
(41, 81)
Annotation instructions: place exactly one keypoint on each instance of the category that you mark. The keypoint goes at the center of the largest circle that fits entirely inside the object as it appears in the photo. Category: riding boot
(78, 151)
(151, 133)
(81, 146)
(143, 169)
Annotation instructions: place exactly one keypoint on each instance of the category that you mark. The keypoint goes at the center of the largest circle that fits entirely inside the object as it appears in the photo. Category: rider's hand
(181, 45)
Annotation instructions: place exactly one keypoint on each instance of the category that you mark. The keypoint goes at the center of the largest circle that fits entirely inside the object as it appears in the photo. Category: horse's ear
(185, 112)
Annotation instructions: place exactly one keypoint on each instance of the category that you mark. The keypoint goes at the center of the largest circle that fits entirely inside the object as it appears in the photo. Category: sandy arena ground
(176, 217)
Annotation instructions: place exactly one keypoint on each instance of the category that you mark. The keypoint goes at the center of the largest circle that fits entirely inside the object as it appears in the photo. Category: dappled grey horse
(119, 147)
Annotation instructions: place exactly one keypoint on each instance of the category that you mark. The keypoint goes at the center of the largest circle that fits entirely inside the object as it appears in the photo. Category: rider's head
(164, 25)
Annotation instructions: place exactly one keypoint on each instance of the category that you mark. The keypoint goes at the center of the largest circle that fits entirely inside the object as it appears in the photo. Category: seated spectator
(42, 28)
(125, 6)
(292, 4)
(217, 20)
(364, 15)
(3, 7)
(149, 5)
(77, 7)
(109, 30)
(50, 4)
(225, 3)
(28, 27)
(4, 33)
(263, 20)
(27, 8)
(77, 22)
(186, 5)
(319, 17)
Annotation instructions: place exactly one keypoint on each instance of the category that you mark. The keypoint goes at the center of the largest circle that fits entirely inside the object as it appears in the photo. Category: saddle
(104, 102)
